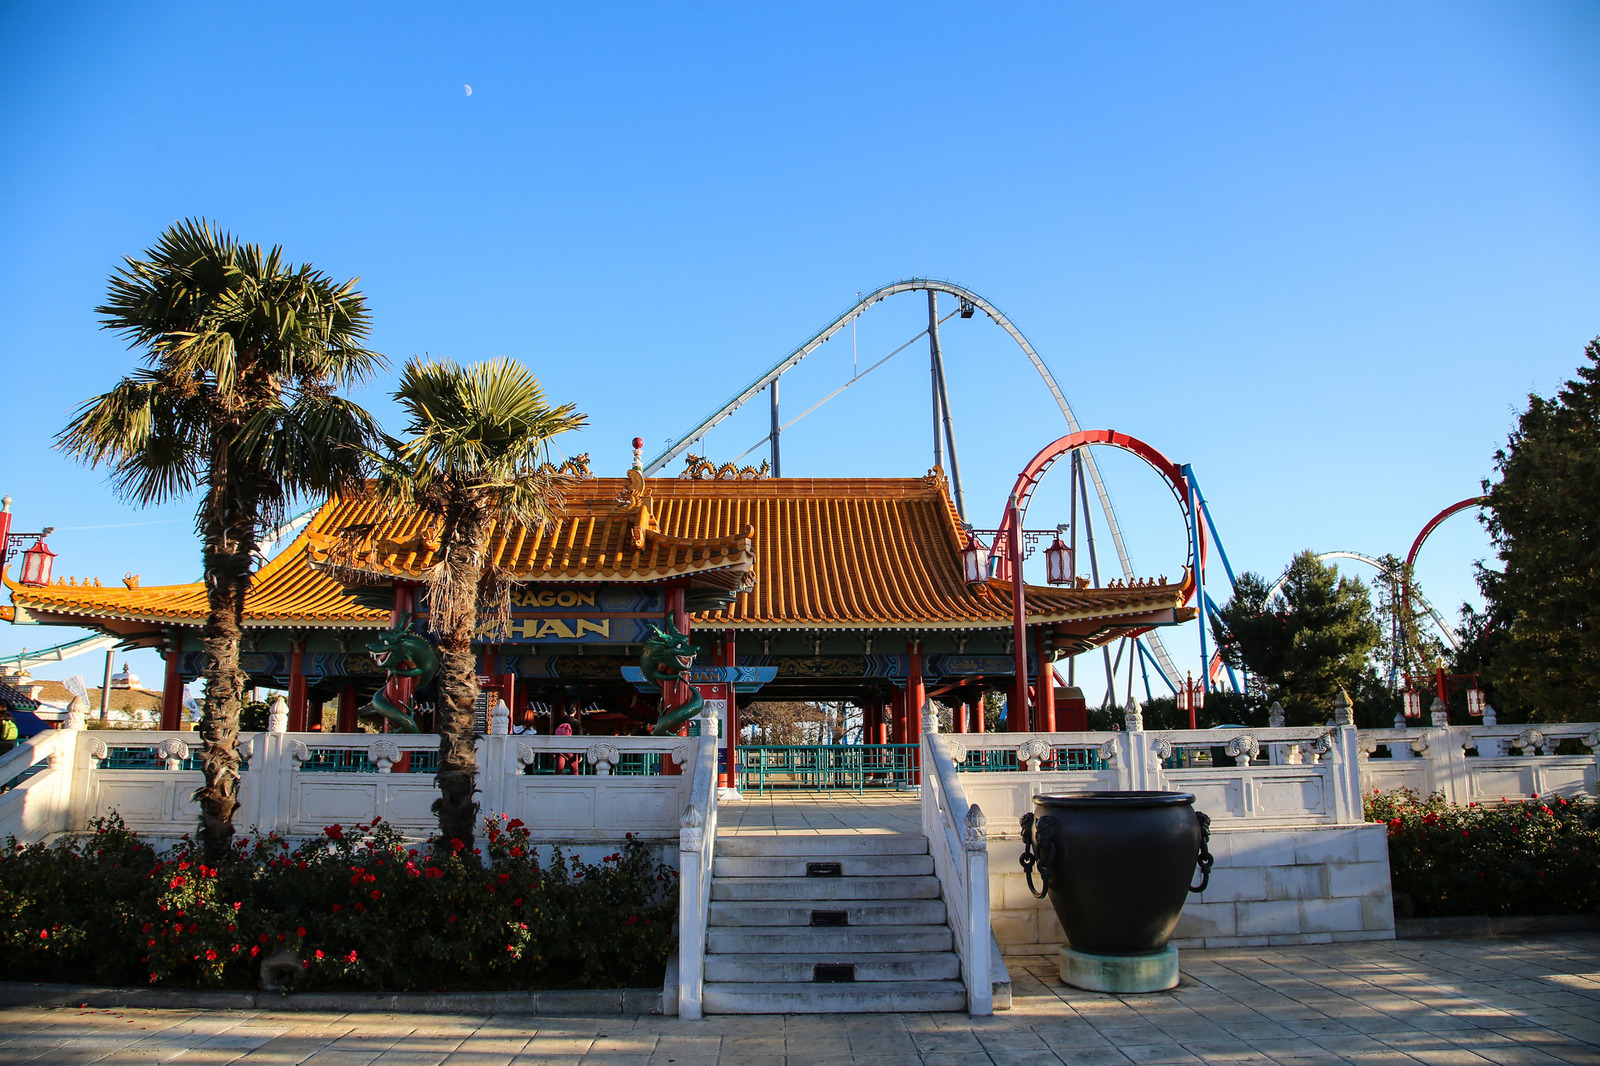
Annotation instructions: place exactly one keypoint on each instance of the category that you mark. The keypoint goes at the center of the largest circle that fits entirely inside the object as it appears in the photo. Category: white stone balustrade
(958, 839)
(299, 783)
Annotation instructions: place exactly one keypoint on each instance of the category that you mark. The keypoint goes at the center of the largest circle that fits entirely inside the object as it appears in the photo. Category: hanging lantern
(1413, 703)
(1199, 697)
(1475, 701)
(36, 564)
(1058, 563)
(974, 560)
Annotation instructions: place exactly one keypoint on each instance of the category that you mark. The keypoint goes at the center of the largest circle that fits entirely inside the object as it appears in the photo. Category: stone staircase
(827, 923)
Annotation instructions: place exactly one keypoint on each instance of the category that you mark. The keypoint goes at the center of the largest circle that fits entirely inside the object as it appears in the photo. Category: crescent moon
(468, 88)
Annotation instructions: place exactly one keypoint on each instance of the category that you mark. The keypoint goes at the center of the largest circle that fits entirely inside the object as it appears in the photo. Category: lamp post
(36, 559)
(1443, 683)
(1011, 546)
(1191, 697)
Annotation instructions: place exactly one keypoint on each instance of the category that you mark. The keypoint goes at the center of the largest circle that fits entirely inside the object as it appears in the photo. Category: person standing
(8, 732)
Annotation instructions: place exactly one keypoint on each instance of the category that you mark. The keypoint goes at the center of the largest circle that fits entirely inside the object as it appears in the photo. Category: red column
(1017, 712)
(730, 743)
(297, 685)
(347, 708)
(172, 687)
(1044, 687)
(672, 692)
(916, 696)
(405, 601)
(958, 711)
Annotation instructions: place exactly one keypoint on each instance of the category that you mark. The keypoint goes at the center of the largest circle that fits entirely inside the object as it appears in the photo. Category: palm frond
(151, 435)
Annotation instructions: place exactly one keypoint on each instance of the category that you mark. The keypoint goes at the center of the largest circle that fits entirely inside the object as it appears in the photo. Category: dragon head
(667, 655)
(403, 653)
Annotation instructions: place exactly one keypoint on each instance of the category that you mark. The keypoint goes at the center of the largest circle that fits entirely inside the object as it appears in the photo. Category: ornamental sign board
(576, 614)
(744, 679)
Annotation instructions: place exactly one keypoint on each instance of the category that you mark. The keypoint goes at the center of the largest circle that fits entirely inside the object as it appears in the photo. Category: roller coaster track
(788, 362)
(27, 660)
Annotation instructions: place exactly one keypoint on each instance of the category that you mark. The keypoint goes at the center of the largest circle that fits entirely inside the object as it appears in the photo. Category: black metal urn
(1116, 865)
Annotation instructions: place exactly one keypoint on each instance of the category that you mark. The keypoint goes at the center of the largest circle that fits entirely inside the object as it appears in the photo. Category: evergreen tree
(1541, 640)
(1304, 642)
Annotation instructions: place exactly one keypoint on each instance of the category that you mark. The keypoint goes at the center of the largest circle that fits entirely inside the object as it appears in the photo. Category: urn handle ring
(1040, 852)
(1205, 861)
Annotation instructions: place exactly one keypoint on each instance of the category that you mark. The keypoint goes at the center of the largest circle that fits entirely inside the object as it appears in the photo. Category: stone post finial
(77, 713)
(1133, 716)
(930, 718)
(1344, 712)
(1275, 715)
(1489, 715)
(1438, 714)
(278, 715)
(500, 719)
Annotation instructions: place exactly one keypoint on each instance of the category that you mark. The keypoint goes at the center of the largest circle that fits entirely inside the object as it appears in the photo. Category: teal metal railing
(1004, 760)
(826, 767)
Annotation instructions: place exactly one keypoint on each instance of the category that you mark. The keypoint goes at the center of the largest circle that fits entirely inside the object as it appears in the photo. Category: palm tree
(478, 454)
(235, 398)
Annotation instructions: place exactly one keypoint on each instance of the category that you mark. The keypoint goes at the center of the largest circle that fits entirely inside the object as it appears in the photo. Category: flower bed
(1526, 858)
(356, 909)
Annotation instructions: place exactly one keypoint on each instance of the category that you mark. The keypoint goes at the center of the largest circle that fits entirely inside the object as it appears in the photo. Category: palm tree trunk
(229, 542)
(456, 616)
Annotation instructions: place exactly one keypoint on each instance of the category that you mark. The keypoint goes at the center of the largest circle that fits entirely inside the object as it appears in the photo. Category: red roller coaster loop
(1028, 482)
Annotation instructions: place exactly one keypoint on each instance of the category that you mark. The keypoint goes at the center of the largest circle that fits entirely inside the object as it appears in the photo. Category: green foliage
(240, 352)
(1540, 644)
(1304, 643)
(360, 909)
(1541, 856)
(253, 717)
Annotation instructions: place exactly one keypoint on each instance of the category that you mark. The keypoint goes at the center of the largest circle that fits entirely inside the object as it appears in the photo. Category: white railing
(958, 838)
(697, 845)
(566, 789)
(1312, 775)
(37, 778)
(1483, 763)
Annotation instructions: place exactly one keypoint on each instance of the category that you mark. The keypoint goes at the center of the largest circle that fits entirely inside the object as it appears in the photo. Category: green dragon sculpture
(666, 657)
(410, 662)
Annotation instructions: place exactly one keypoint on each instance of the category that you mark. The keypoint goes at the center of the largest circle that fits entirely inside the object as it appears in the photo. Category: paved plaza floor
(1534, 1000)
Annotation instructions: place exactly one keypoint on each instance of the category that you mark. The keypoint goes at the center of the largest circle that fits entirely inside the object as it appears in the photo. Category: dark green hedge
(357, 907)
(1541, 856)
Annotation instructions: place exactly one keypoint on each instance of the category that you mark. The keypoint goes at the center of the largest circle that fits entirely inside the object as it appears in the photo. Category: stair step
(858, 912)
(825, 888)
(795, 865)
(805, 939)
(815, 845)
(870, 966)
(762, 997)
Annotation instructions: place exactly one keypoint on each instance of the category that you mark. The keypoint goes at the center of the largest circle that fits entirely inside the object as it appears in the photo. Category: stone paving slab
(1522, 1002)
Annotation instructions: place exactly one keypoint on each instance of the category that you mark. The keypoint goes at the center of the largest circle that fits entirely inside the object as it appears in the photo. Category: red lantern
(974, 560)
(1475, 701)
(1413, 703)
(36, 564)
(1058, 563)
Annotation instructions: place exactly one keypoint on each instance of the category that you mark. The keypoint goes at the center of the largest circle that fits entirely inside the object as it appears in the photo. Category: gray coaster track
(788, 362)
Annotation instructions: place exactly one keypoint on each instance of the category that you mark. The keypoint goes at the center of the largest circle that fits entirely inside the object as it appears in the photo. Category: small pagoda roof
(607, 530)
(285, 593)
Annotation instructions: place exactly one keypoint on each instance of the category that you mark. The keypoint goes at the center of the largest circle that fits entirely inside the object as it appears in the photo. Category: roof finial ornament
(638, 453)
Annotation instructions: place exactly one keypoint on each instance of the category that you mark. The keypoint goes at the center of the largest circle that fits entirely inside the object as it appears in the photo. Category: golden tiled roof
(830, 553)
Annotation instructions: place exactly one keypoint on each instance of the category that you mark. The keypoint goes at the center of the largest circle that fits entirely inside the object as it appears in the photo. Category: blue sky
(1321, 252)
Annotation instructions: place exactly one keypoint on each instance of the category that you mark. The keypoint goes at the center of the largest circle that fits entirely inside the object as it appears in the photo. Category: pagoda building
(840, 589)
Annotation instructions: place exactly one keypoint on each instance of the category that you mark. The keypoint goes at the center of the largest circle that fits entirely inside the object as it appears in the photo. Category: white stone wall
(1271, 885)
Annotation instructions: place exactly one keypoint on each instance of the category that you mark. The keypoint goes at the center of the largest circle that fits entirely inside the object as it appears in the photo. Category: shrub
(358, 908)
(1540, 856)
